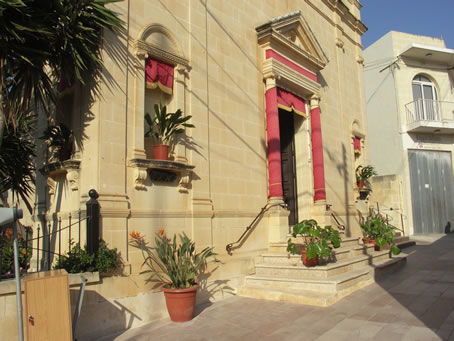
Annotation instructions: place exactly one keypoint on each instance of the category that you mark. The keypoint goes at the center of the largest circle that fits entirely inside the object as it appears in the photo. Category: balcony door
(425, 99)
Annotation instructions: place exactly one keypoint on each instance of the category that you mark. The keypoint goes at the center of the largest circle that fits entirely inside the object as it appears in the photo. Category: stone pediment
(291, 36)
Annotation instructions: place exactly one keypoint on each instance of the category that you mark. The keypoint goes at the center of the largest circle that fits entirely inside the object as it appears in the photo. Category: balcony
(430, 116)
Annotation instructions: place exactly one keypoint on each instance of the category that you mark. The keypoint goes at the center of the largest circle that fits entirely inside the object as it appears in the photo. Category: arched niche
(157, 42)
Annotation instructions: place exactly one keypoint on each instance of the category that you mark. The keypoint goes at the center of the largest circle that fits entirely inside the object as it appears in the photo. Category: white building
(409, 83)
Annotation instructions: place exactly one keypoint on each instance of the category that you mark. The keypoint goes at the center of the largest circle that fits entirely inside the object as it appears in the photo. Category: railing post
(93, 222)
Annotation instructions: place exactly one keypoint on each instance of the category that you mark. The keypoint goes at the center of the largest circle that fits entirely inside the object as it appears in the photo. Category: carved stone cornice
(289, 78)
(143, 50)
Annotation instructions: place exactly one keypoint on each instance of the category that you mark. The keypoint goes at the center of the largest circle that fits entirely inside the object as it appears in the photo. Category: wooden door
(288, 165)
(48, 309)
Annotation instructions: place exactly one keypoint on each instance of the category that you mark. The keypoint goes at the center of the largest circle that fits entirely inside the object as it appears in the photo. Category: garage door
(432, 191)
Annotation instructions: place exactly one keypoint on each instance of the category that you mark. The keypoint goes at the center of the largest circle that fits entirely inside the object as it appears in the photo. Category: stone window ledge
(161, 170)
(69, 168)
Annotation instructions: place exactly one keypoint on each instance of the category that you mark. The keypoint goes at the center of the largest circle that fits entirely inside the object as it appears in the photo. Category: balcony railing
(429, 110)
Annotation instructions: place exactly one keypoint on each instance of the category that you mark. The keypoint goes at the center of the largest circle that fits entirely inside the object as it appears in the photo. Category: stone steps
(283, 277)
(321, 271)
(282, 246)
(319, 292)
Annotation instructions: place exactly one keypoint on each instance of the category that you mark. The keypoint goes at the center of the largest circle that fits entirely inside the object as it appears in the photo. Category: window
(425, 99)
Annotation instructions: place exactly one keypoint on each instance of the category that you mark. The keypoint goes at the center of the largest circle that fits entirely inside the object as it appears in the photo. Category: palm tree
(45, 43)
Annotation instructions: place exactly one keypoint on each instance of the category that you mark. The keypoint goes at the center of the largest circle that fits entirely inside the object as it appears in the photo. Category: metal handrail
(339, 225)
(229, 247)
(388, 218)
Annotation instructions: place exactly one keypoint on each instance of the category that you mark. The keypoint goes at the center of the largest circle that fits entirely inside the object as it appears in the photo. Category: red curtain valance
(357, 145)
(289, 102)
(159, 75)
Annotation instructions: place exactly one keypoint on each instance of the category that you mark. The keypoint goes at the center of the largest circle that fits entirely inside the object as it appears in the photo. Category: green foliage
(59, 139)
(7, 253)
(79, 260)
(163, 126)
(364, 174)
(176, 265)
(375, 226)
(317, 239)
(45, 42)
(16, 156)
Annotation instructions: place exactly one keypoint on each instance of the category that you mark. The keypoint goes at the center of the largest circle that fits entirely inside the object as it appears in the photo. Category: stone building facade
(276, 97)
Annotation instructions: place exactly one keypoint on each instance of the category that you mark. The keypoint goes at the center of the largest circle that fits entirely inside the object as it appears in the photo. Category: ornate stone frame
(142, 50)
(296, 71)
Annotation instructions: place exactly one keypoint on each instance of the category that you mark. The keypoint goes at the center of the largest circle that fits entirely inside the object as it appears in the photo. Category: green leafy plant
(59, 139)
(376, 227)
(363, 174)
(17, 170)
(316, 239)
(79, 260)
(164, 126)
(175, 265)
(7, 253)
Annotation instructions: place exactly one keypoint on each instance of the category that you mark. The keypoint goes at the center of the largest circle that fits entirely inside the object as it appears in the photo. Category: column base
(278, 227)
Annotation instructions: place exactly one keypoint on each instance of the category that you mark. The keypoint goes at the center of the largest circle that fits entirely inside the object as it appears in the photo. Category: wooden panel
(48, 309)
(287, 141)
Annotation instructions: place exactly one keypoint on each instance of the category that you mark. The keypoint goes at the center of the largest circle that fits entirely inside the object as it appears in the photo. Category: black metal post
(37, 251)
(93, 222)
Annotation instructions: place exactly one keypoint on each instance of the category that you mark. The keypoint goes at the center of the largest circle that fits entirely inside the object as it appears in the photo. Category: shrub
(79, 260)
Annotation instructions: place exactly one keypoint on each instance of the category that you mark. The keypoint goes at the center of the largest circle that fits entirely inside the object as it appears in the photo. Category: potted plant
(163, 127)
(363, 174)
(176, 267)
(378, 231)
(59, 139)
(316, 240)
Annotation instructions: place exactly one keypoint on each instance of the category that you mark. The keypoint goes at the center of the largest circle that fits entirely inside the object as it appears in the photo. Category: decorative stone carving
(73, 178)
(340, 43)
(360, 60)
(184, 182)
(140, 178)
(51, 185)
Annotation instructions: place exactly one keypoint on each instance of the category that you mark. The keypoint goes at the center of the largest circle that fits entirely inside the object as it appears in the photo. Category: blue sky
(434, 18)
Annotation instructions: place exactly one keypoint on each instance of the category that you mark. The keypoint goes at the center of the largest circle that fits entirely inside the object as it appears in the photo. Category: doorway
(432, 191)
(288, 164)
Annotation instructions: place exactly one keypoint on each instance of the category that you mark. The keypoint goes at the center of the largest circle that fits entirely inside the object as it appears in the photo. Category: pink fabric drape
(289, 102)
(317, 155)
(357, 145)
(159, 75)
(274, 145)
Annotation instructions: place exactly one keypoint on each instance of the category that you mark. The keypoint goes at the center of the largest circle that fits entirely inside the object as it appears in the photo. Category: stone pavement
(416, 303)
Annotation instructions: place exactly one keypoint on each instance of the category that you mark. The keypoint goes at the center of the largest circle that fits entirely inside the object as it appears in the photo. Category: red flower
(135, 235)
(9, 232)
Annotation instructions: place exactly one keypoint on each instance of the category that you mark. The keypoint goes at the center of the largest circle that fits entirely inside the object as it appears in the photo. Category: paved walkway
(416, 303)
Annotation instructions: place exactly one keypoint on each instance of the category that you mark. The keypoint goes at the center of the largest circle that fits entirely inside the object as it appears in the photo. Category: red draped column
(317, 151)
(274, 141)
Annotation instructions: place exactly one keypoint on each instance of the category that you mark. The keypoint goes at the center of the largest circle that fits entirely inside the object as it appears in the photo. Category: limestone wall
(387, 192)
(219, 81)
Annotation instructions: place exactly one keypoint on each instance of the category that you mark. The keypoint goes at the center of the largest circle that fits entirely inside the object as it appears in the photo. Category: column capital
(315, 101)
(270, 81)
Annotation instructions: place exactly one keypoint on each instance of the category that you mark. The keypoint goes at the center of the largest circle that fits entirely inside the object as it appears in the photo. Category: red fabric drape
(357, 145)
(290, 102)
(159, 75)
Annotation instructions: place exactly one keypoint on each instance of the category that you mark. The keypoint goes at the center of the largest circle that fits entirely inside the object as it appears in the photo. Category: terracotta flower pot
(161, 152)
(309, 261)
(371, 241)
(180, 303)
(360, 184)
